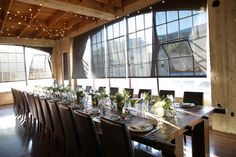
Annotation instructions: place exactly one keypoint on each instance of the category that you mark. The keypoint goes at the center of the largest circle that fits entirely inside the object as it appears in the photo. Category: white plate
(113, 117)
(140, 127)
(186, 105)
(92, 112)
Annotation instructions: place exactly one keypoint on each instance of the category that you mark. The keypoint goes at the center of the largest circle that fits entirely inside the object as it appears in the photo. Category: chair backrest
(38, 105)
(144, 91)
(87, 89)
(24, 102)
(19, 102)
(71, 138)
(167, 92)
(116, 134)
(130, 91)
(33, 105)
(79, 87)
(29, 103)
(113, 90)
(88, 137)
(47, 113)
(101, 89)
(193, 97)
(56, 118)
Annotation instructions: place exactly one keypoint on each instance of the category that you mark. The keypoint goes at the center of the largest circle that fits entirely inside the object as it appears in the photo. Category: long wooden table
(169, 136)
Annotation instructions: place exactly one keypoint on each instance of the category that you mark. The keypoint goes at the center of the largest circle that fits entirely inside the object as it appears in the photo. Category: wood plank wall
(6, 98)
(222, 30)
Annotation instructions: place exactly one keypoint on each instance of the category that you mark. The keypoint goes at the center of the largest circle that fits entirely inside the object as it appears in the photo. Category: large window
(98, 54)
(140, 45)
(116, 55)
(12, 67)
(17, 67)
(164, 45)
(183, 38)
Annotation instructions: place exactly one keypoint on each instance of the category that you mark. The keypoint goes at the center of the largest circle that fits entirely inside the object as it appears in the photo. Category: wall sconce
(216, 3)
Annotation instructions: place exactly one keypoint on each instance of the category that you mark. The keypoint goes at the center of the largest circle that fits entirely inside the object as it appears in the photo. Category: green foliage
(162, 102)
(80, 94)
(147, 96)
(120, 98)
(133, 102)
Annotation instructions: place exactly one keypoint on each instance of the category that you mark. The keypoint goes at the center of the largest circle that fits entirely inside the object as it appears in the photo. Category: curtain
(80, 69)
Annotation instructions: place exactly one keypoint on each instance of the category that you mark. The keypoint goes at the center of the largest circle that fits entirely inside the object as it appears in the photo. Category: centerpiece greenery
(162, 106)
(80, 95)
(121, 99)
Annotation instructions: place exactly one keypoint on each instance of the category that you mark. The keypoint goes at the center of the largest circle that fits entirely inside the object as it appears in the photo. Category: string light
(163, 1)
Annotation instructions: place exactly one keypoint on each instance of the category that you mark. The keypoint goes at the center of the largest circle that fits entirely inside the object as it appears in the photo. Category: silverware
(154, 130)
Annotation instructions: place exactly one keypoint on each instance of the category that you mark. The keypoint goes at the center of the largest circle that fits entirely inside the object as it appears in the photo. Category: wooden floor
(17, 141)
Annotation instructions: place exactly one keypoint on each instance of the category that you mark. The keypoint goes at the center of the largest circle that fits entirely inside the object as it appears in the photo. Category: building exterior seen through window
(18, 67)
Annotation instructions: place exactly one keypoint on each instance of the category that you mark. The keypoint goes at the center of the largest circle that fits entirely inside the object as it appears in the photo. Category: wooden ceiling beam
(35, 13)
(135, 6)
(6, 8)
(69, 7)
(28, 42)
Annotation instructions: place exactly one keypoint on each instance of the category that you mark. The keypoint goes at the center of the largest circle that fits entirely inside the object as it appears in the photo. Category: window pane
(172, 15)
(163, 68)
(185, 27)
(116, 30)
(160, 18)
(184, 13)
(199, 22)
(139, 22)
(131, 25)
(132, 40)
(140, 38)
(122, 27)
(172, 29)
(161, 32)
(181, 66)
(110, 32)
(161, 54)
(148, 39)
(148, 20)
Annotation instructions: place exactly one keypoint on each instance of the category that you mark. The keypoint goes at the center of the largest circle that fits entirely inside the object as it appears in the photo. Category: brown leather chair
(49, 128)
(144, 91)
(72, 147)
(193, 97)
(167, 92)
(88, 137)
(113, 90)
(117, 134)
(58, 132)
(41, 117)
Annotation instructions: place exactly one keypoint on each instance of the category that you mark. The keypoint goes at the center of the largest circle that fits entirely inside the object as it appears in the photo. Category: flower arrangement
(80, 95)
(162, 106)
(121, 98)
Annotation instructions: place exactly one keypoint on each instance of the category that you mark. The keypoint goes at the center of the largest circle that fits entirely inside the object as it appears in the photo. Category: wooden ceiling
(55, 19)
